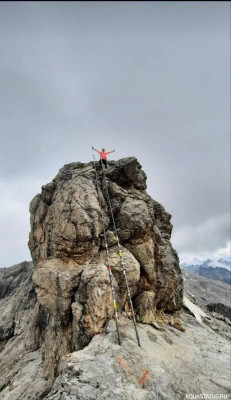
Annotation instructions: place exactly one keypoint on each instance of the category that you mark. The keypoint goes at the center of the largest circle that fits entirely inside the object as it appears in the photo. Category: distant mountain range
(219, 270)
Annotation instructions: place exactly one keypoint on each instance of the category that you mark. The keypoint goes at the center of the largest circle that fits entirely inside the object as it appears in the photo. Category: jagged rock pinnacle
(58, 339)
(68, 250)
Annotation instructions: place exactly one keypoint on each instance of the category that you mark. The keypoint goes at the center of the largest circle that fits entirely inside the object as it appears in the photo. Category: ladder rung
(105, 181)
(118, 286)
(127, 299)
(126, 312)
(123, 286)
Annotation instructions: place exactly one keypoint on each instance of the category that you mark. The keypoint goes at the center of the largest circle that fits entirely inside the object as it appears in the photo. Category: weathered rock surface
(68, 250)
(57, 315)
(15, 301)
(20, 357)
(170, 365)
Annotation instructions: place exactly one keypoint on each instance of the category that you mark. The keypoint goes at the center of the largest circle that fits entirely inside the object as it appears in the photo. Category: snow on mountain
(214, 269)
(219, 263)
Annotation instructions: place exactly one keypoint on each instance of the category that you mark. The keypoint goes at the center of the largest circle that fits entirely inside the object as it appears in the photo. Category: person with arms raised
(103, 156)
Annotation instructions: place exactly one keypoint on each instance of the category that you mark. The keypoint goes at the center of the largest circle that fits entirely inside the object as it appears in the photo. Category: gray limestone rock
(167, 366)
(63, 301)
(57, 334)
(68, 249)
(21, 365)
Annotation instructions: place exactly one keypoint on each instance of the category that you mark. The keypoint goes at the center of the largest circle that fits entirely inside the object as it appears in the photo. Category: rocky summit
(58, 337)
(68, 251)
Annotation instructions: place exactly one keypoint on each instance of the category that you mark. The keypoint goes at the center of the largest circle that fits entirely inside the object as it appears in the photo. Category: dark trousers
(103, 162)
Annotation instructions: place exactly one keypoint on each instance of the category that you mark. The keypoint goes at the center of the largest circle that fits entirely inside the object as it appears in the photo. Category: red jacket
(103, 154)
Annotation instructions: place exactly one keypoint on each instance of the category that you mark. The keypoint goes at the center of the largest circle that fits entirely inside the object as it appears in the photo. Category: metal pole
(107, 259)
(121, 260)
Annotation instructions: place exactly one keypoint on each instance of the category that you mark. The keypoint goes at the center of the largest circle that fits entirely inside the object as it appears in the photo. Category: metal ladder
(122, 263)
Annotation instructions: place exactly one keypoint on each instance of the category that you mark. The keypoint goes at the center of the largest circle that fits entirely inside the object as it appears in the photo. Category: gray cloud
(149, 79)
(204, 237)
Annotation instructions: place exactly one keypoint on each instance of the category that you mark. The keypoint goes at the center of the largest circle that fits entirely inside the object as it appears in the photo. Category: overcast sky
(150, 79)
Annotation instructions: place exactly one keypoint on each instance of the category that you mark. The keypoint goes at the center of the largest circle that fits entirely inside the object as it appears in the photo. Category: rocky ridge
(68, 251)
(21, 362)
(222, 274)
(170, 364)
(57, 334)
(213, 297)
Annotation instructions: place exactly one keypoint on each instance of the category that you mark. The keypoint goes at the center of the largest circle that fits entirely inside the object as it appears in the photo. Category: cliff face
(67, 246)
(21, 366)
